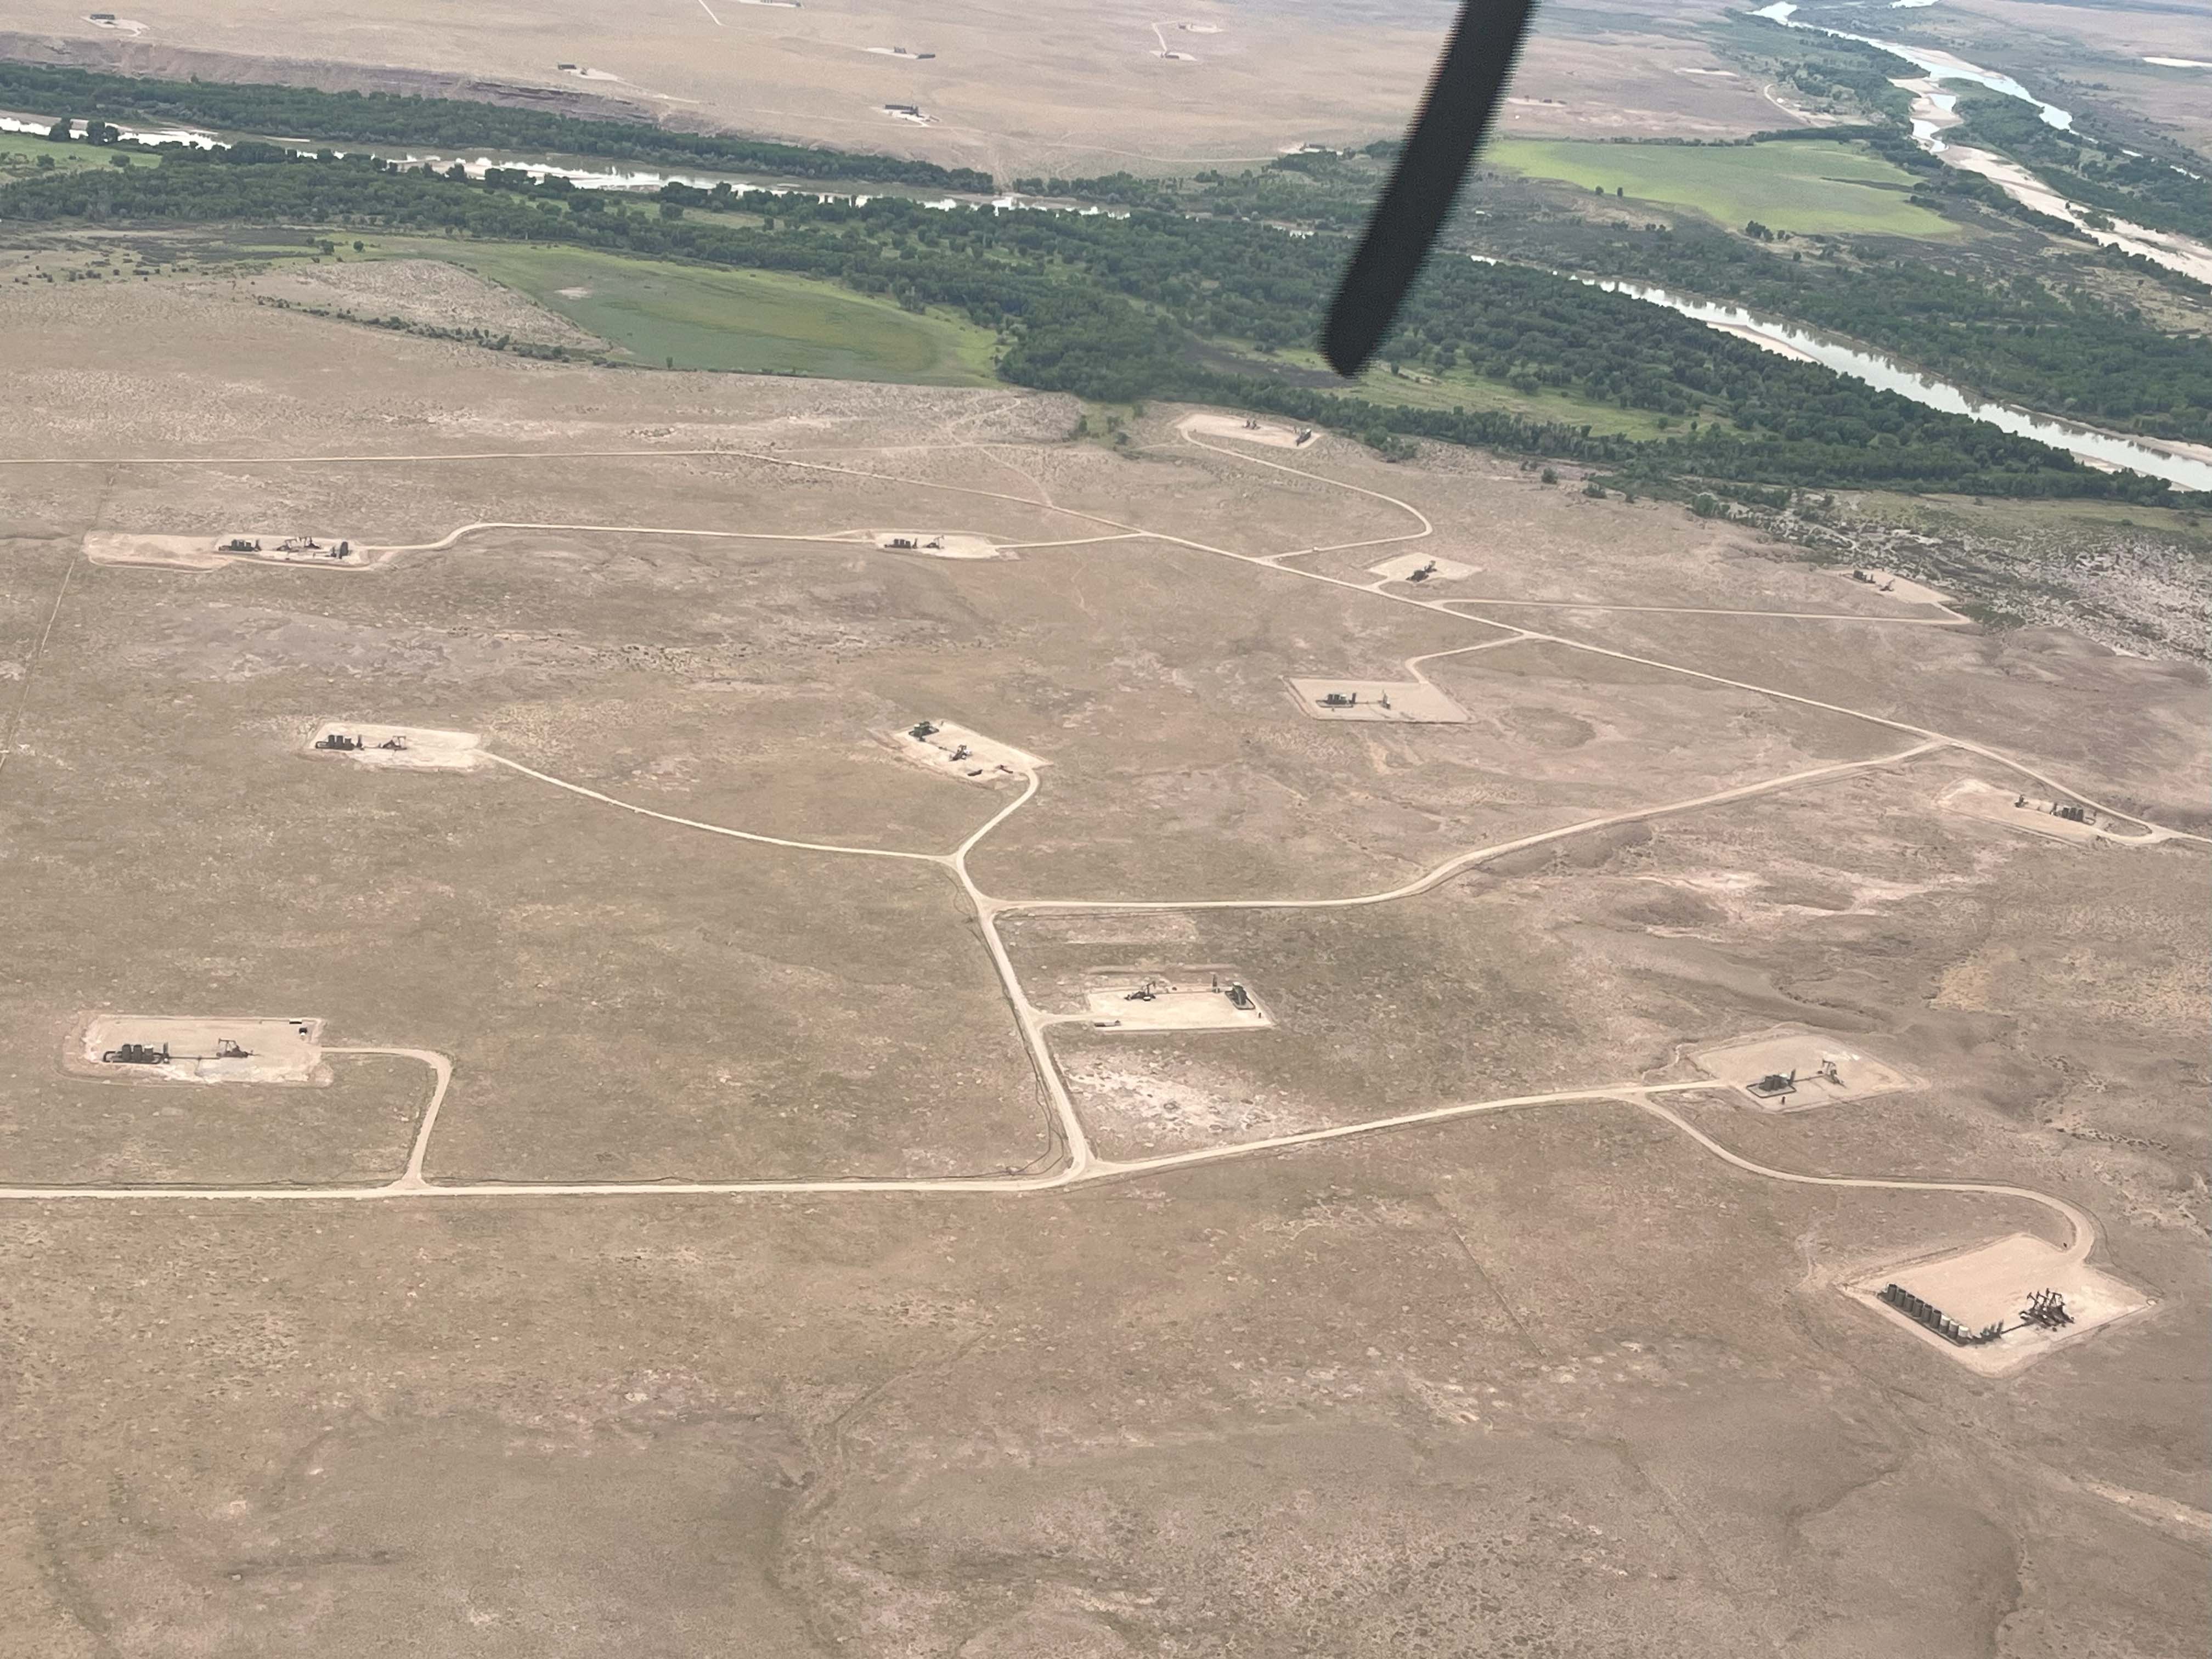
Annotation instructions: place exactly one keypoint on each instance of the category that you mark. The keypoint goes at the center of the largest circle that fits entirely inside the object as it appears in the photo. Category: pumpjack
(2046, 1308)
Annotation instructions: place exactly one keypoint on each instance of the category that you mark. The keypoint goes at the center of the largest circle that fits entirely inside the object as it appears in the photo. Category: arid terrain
(713, 1215)
(1069, 87)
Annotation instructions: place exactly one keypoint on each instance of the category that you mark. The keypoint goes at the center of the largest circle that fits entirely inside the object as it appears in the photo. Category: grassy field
(1420, 389)
(20, 154)
(755, 322)
(1808, 187)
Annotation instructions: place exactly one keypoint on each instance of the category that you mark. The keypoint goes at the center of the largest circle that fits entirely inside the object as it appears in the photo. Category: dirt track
(1078, 1163)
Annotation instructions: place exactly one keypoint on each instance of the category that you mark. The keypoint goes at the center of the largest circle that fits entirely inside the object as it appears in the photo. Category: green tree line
(397, 118)
(2146, 189)
(1165, 305)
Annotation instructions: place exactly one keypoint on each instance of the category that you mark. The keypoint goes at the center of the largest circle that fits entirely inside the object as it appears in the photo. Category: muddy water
(1937, 65)
(1933, 111)
(2187, 466)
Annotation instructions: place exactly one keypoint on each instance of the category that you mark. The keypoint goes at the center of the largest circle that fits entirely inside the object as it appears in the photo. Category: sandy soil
(1977, 799)
(1064, 87)
(212, 552)
(2169, 248)
(938, 544)
(957, 752)
(1558, 1376)
(1404, 703)
(1181, 1000)
(172, 552)
(1992, 1282)
(398, 748)
(1807, 1053)
(1401, 568)
(1260, 432)
(421, 291)
(279, 547)
(276, 1050)
(1890, 584)
(1764, 340)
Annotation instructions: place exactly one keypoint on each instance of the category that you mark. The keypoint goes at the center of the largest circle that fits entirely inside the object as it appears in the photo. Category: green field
(20, 153)
(1809, 187)
(756, 322)
(1458, 389)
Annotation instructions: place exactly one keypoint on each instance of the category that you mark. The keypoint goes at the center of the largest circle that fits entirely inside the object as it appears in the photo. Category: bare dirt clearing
(394, 748)
(957, 752)
(425, 292)
(176, 552)
(1813, 1070)
(1250, 431)
(1989, 1285)
(938, 544)
(1419, 567)
(1412, 702)
(1173, 999)
(2015, 810)
(202, 1050)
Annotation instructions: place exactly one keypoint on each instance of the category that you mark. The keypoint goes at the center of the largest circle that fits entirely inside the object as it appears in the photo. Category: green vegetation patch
(1815, 188)
(757, 322)
(1123, 310)
(22, 153)
(1458, 388)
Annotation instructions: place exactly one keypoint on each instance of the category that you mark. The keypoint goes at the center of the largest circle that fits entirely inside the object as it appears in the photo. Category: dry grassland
(1063, 88)
(1551, 1378)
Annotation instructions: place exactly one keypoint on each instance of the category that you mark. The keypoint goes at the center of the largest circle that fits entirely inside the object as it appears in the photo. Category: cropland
(1808, 187)
(746, 1138)
(758, 322)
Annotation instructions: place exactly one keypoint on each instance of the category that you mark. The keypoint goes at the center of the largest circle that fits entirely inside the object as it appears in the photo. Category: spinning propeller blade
(1468, 81)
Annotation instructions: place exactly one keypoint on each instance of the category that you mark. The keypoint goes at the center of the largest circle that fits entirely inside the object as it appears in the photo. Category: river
(2187, 466)
(1938, 65)
(584, 173)
(1933, 110)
